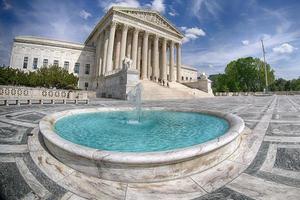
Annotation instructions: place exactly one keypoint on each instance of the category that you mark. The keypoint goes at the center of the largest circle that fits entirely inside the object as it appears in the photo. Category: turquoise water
(157, 130)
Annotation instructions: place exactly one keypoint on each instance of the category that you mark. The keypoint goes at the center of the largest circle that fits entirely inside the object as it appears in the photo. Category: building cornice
(145, 10)
(155, 26)
(101, 22)
(120, 10)
(189, 68)
(54, 43)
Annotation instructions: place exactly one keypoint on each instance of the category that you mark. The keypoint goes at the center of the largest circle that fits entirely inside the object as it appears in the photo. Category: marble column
(100, 52)
(117, 50)
(144, 55)
(160, 62)
(97, 55)
(139, 52)
(149, 65)
(104, 52)
(110, 46)
(129, 44)
(171, 62)
(135, 47)
(155, 69)
(123, 43)
(164, 59)
(178, 62)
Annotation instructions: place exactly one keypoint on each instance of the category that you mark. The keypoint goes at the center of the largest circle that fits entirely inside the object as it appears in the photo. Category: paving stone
(288, 158)
(224, 193)
(12, 184)
(283, 129)
(259, 159)
(50, 185)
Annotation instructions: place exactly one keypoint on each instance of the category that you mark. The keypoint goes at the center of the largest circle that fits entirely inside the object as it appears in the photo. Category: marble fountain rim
(46, 128)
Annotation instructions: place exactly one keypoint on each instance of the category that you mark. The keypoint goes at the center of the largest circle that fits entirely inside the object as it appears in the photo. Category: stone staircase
(155, 91)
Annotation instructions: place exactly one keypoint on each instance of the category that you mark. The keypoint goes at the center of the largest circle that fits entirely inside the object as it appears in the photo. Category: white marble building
(146, 37)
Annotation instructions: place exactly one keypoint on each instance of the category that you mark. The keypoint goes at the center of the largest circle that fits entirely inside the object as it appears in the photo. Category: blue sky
(217, 31)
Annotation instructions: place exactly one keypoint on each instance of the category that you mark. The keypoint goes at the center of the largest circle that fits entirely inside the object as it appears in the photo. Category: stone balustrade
(17, 95)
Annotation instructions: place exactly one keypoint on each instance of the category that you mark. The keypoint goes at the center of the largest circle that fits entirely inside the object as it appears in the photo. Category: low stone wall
(256, 93)
(118, 84)
(204, 85)
(16, 92)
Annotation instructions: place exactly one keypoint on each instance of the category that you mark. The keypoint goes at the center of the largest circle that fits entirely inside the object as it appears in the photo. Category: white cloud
(245, 42)
(45, 24)
(210, 66)
(195, 31)
(6, 5)
(192, 33)
(284, 48)
(265, 36)
(173, 14)
(223, 53)
(84, 14)
(201, 7)
(158, 5)
(107, 4)
(183, 28)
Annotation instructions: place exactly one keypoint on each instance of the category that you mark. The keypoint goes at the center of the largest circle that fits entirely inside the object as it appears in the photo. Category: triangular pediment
(149, 16)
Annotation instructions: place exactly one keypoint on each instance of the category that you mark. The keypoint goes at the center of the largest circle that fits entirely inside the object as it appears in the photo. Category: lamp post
(265, 66)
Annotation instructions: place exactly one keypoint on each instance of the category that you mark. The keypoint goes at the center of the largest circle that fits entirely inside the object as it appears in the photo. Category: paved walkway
(266, 167)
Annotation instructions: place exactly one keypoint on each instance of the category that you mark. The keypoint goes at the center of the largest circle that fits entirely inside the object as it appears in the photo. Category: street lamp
(264, 55)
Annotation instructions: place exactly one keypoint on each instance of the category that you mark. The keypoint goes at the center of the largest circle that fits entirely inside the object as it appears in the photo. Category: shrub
(52, 76)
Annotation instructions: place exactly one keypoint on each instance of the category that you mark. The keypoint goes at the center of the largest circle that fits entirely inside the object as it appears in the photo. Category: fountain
(135, 97)
(122, 144)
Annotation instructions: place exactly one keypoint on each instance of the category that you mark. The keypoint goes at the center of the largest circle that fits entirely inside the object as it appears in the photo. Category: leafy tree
(286, 85)
(219, 82)
(244, 74)
(52, 76)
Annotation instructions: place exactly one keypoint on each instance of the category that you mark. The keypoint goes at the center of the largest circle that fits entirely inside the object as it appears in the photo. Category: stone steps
(155, 91)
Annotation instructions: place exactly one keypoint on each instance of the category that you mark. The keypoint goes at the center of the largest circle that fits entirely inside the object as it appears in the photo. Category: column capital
(113, 24)
(125, 26)
(136, 30)
(146, 33)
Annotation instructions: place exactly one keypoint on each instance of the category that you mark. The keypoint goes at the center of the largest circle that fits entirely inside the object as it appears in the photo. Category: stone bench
(11, 101)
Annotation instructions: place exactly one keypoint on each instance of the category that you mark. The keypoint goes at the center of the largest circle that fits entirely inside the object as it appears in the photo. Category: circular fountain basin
(165, 144)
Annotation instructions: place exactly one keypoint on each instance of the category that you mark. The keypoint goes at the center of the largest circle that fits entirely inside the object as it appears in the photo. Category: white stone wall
(185, 72)
(62, 54)
(191, 74)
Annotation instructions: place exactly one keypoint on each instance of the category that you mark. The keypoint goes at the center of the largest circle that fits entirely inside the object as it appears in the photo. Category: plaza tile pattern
(28, 171)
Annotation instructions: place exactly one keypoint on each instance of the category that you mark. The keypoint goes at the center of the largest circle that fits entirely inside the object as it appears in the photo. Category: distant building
(146, 37)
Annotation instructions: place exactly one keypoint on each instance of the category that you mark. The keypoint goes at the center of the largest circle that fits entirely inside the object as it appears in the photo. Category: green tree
(244, 74)
(52, 76)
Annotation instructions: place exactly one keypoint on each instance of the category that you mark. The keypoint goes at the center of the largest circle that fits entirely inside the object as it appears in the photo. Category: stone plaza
(266, 164)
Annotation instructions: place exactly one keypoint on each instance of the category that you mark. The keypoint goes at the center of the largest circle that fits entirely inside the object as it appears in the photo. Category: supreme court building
(143, 36)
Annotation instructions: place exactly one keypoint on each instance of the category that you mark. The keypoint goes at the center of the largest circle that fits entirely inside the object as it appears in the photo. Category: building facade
(144, 36)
